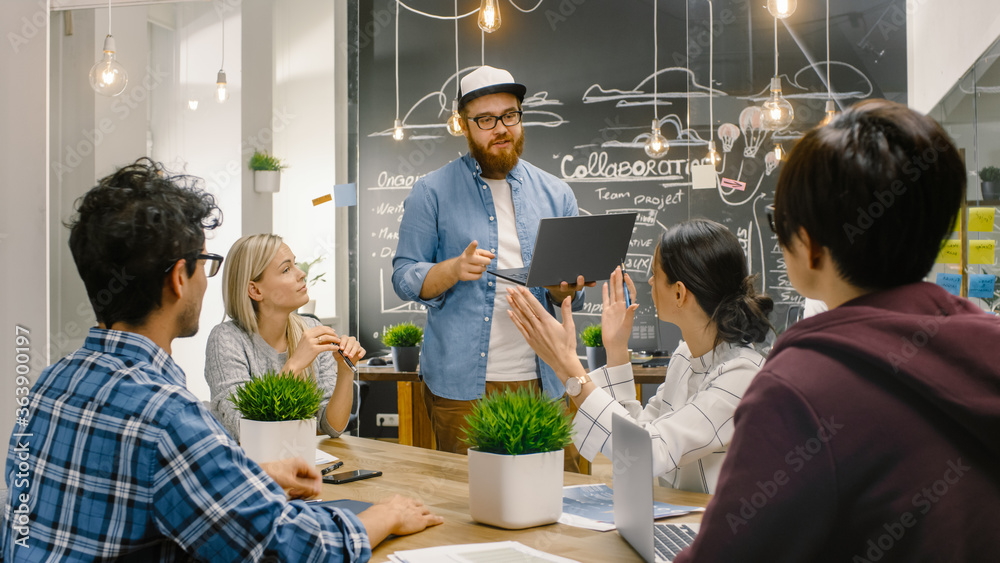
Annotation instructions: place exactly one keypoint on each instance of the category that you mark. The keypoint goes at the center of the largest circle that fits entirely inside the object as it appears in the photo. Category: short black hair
(708, 259)
(130, 229)
(879, 187)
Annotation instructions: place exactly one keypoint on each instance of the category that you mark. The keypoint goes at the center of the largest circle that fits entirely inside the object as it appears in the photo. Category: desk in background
(441, 481)
(415, 424)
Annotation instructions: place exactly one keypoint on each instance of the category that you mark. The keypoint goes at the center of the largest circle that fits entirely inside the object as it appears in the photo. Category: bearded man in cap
(479, 211)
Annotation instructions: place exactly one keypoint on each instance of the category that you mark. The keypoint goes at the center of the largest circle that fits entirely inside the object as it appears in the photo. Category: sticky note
(951, 252)
(981, 285)
(703, 177)
(322, 199)
(734, 184)
(982, 251)
(981, 219)
(952, 283)
(345, 195)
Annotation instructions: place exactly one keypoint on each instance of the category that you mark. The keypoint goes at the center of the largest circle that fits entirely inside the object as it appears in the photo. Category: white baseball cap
(488, 80)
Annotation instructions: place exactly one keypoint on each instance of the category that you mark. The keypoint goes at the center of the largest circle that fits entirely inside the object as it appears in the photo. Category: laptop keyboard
(670, 539)
(520, 274)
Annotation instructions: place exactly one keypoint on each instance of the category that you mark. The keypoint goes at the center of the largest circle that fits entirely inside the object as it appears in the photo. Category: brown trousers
(448, 420)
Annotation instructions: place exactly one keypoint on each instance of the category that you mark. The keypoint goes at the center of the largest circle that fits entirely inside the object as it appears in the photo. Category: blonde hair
(246, 262)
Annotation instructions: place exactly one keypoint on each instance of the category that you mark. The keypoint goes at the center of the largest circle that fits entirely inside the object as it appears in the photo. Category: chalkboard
(589, 71)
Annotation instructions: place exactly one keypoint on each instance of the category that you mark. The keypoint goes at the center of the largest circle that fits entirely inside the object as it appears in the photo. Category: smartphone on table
(349, 476)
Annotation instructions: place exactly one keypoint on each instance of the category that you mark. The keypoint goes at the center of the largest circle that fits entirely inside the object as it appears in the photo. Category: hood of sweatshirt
(939, 345)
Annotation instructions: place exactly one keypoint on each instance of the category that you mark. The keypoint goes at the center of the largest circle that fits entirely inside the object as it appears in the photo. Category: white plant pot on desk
(266, 181)
(515, 491)
(270, 441)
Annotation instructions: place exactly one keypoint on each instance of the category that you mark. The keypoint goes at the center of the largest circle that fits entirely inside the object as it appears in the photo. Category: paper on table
(596, 503)
(323, 457)
(492, 552)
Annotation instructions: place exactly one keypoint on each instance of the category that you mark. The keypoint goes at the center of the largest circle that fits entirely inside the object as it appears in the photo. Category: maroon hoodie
(871, 434)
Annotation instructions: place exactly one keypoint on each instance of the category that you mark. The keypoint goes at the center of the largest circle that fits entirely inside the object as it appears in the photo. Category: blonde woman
(262, 287)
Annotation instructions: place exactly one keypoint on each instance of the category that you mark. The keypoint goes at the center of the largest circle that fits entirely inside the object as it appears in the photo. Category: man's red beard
(497, 165)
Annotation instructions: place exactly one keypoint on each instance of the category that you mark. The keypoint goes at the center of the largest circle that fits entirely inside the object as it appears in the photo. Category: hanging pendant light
(656, 145)
(777, 111)
(108, 76)
(831, 107)
(455, 120)
(779, 153)
(221, 87)
(781, 9)
(489, 16)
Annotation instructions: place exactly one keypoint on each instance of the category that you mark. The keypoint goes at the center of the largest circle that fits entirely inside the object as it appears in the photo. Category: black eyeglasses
(212, 265)
(487, 122)
(770, 218)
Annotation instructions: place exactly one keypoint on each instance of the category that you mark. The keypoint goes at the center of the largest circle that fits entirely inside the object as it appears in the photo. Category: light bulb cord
(222, 65)
(776, 46)
(482, 47)
(656, 65)
(829, 86)
(397, 59)
(456, 50)
(711, 85)
(109, 17)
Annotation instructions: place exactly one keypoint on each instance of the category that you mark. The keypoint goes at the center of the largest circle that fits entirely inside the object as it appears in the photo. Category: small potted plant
(597, 356)
(310, 307)
(266, 172)
(990, 182)
(516, 441)
(402, 340)
(279, 416)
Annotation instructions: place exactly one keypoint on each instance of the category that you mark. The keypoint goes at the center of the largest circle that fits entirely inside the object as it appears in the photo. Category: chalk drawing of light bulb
(728, 133)
(751, 119)
(770, 162)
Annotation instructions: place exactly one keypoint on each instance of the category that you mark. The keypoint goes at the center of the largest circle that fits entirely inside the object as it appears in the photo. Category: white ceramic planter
(266, 181)
(309, 308)
(270, 441)
(515, 492)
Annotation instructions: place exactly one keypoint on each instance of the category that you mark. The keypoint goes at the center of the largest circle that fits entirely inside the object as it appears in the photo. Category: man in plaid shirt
(115, 458)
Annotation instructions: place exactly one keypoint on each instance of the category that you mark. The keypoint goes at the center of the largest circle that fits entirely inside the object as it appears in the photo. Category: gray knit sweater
(232, 355)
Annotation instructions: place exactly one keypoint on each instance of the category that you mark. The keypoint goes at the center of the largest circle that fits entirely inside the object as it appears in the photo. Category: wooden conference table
(415, 425)
(440, 480)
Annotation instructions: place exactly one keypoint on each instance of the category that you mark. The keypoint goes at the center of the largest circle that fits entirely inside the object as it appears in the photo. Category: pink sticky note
(734, 184)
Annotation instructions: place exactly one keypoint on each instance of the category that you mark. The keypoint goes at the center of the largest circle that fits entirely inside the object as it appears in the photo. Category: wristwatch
(574, 385)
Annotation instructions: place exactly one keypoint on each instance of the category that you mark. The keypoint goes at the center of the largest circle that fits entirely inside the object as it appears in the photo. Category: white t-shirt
(510, 357)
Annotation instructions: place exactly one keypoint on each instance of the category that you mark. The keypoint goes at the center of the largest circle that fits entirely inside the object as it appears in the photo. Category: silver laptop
(632, 450)
(566, 247)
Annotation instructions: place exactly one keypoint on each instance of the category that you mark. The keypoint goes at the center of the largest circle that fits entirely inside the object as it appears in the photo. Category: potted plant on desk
(402, 340)
(266, 172)
(516, 441)
(990, 182)
(279, 416)
(597, 356)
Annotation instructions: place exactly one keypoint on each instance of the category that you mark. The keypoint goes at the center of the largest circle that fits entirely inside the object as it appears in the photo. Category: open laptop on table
(566, 247)
(633, 496)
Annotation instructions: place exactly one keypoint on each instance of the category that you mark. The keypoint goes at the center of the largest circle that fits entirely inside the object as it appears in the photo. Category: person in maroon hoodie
(873, 431)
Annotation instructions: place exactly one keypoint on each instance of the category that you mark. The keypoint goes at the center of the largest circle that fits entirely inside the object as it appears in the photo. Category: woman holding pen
(262, 287)
(700, 283)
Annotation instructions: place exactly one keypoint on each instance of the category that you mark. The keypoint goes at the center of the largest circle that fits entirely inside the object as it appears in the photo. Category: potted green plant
(310, 307)
(402, 340)
(990, 183)
(597, 356)
(266, 172)
(278, 415)
(516, 441)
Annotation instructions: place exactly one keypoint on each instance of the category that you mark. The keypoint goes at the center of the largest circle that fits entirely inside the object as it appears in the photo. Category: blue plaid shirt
(119, 460)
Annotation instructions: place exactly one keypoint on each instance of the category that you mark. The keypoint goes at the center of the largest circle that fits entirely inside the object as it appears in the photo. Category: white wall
(24, 232)
(943, 40)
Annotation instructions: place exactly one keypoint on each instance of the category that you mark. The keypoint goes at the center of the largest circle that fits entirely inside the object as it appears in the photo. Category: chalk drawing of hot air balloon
(770, 162)
(728, 133)
(751, 123)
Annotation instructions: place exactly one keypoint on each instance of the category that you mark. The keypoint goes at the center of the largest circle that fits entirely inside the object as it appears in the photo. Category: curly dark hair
(128, 231)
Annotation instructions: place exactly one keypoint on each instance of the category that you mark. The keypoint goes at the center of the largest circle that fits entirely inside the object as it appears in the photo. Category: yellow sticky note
(982, 251)
(981, 219)
(951, 252)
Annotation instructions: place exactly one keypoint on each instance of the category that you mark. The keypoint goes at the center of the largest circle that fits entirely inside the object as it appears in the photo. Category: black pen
(348, 361)
(333, 467)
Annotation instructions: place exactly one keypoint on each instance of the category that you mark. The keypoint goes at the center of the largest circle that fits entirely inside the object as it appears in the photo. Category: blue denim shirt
(445, 211)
